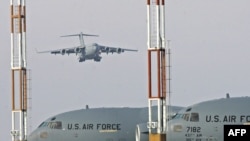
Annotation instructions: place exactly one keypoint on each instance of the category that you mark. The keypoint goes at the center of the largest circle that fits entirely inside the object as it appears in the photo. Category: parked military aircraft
(209, 120)
(94, 124)
(204, 121)
(87, 52)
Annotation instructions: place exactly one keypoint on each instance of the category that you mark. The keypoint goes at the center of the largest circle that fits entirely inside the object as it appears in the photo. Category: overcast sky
(210, 54)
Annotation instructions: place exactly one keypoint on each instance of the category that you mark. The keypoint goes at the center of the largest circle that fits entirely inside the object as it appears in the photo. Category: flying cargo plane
(204, 121)
(87, 52)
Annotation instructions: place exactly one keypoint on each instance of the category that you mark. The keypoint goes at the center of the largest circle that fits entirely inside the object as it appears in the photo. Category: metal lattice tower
(157, 87)
(18, 70)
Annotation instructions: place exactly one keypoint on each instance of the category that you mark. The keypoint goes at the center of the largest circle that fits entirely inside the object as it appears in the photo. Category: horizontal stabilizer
(81, 34)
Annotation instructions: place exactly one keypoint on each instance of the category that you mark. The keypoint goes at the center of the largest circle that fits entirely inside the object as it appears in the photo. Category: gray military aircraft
(208, 121)
(87, 52)
(204, 121)
(94, 124)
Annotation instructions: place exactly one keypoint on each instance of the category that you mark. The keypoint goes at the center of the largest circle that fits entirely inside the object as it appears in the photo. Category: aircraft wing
(63, 51)
(108, 49)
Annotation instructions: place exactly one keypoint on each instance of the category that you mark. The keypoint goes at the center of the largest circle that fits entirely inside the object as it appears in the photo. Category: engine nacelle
(107, 50)
(141, 132)
(63, 51)
(119, 50)
(77, 50)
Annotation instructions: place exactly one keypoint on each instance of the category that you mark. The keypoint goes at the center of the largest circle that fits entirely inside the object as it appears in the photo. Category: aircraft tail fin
(80, 37)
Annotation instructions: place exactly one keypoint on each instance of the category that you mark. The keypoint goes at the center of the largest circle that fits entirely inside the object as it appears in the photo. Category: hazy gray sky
(210, 54)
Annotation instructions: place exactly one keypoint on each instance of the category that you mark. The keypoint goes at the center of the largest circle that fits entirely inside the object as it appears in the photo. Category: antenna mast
(156, 51)
(18, 70)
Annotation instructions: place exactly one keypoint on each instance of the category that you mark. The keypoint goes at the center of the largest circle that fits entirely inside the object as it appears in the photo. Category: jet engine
(77, 50)
(119, 50)
(141, 132)
(63, 51)
(107, 50)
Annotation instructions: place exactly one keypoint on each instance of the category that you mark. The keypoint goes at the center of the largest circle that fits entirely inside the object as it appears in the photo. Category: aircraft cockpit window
(186, 116)
(189, 109)
(41, 125)
(194, 117)
(176, 116)
(52, 124)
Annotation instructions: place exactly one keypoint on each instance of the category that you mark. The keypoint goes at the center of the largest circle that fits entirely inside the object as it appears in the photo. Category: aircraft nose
(38, 136)
(33, 137)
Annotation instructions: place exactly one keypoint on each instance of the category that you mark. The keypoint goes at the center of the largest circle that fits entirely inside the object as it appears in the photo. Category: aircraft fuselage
(205, 121)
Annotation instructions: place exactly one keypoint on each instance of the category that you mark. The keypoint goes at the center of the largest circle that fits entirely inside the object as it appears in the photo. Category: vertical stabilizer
(80, 37)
